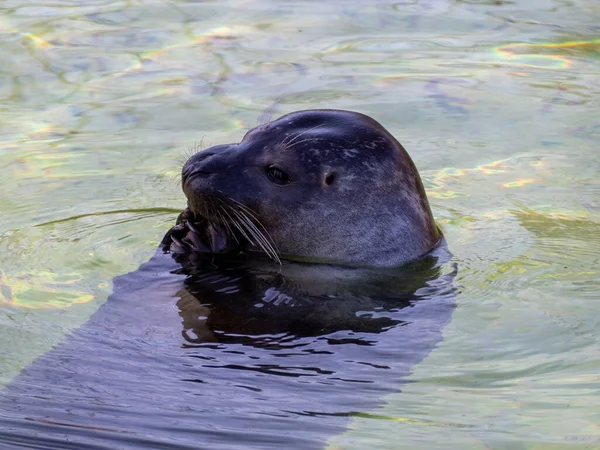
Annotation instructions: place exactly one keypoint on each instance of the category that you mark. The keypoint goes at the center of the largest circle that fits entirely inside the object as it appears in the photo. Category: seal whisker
(267, 246)
(267, 116)
(260, 238)
(263, 231)
(285, 142)
(231, 233)
(198, 147)
(243, 231)
(293, 144)
(238, 226)
(176, 179)
(187, 153)
(268, 241)
(244, 208)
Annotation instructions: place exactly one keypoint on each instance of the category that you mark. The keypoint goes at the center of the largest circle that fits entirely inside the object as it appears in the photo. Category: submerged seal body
(331, 339)
(326, 186)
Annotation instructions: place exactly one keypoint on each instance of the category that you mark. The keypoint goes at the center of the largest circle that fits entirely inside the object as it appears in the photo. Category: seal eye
(330, 178)
(277, 176)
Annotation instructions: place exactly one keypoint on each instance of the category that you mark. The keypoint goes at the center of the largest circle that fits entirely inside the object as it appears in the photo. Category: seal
(318, 186)
(329, 187)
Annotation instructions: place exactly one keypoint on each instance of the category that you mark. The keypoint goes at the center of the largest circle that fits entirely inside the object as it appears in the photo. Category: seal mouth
(197, 234)
(218, 224)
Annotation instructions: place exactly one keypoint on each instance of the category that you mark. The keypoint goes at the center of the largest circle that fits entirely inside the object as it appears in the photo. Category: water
(496, 102)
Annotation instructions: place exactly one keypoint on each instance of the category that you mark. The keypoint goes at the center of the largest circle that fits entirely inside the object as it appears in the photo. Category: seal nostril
(203, 154)
(330, 178)
(192, 163)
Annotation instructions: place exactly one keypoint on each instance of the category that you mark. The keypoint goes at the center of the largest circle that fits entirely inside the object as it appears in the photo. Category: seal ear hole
(329, 178)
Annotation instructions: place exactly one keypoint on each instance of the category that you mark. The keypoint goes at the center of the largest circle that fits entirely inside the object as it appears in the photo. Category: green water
(497, 102)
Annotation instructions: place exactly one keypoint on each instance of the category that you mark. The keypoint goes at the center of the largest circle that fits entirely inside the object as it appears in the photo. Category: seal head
(326, 186)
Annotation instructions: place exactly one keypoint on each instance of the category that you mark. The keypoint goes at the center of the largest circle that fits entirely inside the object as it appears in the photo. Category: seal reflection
(260, 303)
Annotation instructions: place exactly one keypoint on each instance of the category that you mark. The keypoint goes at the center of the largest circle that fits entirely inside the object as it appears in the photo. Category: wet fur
(374, 213)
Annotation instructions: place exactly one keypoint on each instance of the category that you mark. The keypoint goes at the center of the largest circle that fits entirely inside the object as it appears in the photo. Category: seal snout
(197, 176)
(195, 166)
(206, 162)
(198, 187)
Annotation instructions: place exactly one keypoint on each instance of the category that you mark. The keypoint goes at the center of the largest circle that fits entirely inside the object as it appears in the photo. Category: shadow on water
(252, 356)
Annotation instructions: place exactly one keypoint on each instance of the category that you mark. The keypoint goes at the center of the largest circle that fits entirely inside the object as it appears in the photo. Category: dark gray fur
(375, 212)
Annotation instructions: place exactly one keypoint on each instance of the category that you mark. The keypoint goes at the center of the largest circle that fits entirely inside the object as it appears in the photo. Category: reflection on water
(497, 103)
(267, 355)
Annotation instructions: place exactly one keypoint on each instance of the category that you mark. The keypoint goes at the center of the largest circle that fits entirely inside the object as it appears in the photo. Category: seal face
(326, 186)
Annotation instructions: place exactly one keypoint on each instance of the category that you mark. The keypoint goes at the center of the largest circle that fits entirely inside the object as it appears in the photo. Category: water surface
(497, 102)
